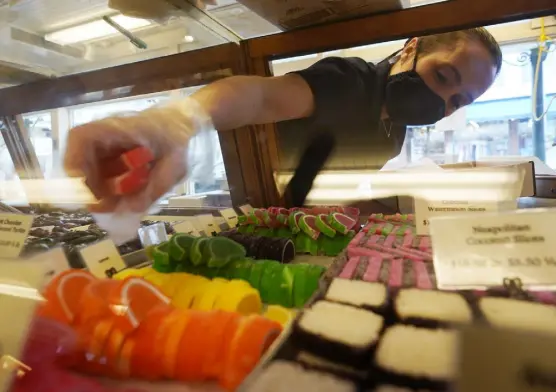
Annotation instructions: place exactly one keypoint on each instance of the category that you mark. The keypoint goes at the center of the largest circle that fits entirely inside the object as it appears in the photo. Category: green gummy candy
(220, 251)
(271, 278)
(257, 271)
(180, 246)
(197, 248)
(239, 269)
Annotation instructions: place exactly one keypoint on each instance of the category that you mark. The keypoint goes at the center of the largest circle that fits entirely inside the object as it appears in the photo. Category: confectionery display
(358, 335)
(72, 231)
(220, 257)
(207, 331)
(316, 231)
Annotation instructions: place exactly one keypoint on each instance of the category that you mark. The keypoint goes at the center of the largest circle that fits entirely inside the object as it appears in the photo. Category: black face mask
(409, 101)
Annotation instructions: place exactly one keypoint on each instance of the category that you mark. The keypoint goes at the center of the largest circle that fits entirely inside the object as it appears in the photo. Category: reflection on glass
(48, 132)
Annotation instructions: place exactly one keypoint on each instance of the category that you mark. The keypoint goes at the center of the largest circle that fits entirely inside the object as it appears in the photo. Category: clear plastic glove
(165, 130)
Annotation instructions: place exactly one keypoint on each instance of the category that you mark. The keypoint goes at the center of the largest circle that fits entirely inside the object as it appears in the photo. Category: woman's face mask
(409, 101)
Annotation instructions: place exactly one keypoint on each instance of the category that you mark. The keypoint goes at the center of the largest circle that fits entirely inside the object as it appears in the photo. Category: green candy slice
(308, 225)
(341, 222)
(180, 246)
(196, 251)
(239, 269)
(282, 291)
(270, 281)
(220, 251)
(293, 221)
(257, 271)
(306, 282)
(324, 227)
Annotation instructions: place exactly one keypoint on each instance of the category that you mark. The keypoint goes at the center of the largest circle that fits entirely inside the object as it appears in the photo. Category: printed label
(481, 250)
(55, 261)
(14, 229)
(230, 215)
(525, 365)
(187, 228)
(208, 223)
(153, 234)
(20, 282)
(103, 259)
(425, 210)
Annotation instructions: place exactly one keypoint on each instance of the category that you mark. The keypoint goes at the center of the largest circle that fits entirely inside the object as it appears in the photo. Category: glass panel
(498, 124)
(48, 143)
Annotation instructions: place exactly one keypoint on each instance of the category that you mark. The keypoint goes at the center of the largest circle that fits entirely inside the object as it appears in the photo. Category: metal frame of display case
(251, 153)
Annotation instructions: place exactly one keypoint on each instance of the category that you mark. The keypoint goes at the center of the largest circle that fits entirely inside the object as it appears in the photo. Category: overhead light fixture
(188, 38)
(95, 30)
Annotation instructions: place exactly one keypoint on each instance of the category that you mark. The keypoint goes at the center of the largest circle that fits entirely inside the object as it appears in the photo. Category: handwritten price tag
(20, 282)
(103, 259)
(481, 250)
(187, 228)
(230, 215)
(14, 229)
(153, 234)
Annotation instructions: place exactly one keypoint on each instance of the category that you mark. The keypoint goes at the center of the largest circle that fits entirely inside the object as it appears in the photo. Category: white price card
(208, 223)
(187, 228)
(246, 209)
(482, 249)
(55, 261)
(14, 229)
(230, 215)
(154, 234)
(20, 282)
(505, 360)
(103, 259)
(425, 210)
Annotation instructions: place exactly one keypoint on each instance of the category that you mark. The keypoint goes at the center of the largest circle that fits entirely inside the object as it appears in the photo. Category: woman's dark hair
(430, 43)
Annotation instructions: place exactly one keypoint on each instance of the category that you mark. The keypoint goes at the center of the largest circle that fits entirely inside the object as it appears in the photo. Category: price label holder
(504, 360)
(153, 234)
(208, 223)
(481, 250)
(20, 282)
(14, 229)
(425, 210)
(230, 216)
(246, 209)
(103, 259)
(187, 228)
(55, 262)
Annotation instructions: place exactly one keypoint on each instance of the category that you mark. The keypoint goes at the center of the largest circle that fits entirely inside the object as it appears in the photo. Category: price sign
(55, 261)
(187, 228)
(503, 360)
(153, 234)
(103, 259)
(230, 215)
(208, 223)
(14, 229)
(246, 209)
(425, 210)
(481, 250)
(20, 282)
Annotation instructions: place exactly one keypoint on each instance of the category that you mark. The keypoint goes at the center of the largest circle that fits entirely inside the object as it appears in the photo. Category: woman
(430, 78)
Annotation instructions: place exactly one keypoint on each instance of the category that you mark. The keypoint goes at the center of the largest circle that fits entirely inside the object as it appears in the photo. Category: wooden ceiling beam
(435, 18)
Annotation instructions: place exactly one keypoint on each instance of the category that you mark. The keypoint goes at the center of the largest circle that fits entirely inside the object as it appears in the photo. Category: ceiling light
(94, 30)
(188, 38)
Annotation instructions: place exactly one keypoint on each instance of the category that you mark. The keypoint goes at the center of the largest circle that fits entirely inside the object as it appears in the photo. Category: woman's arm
(244, 100)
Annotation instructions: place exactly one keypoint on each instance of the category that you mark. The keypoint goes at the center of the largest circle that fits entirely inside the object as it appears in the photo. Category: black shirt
(349, 94)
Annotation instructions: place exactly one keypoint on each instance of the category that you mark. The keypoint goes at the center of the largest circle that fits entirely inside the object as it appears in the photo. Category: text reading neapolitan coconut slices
(130, 328)
(317, 231)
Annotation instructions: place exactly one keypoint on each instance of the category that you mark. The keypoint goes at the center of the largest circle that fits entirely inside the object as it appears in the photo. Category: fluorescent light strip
(94, 30)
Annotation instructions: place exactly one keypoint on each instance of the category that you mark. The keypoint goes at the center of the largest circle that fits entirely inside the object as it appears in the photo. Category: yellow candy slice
(207, 299)
(176, 281)
(157, 279)
(238, 296)
(279, 314)
(185, 295)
